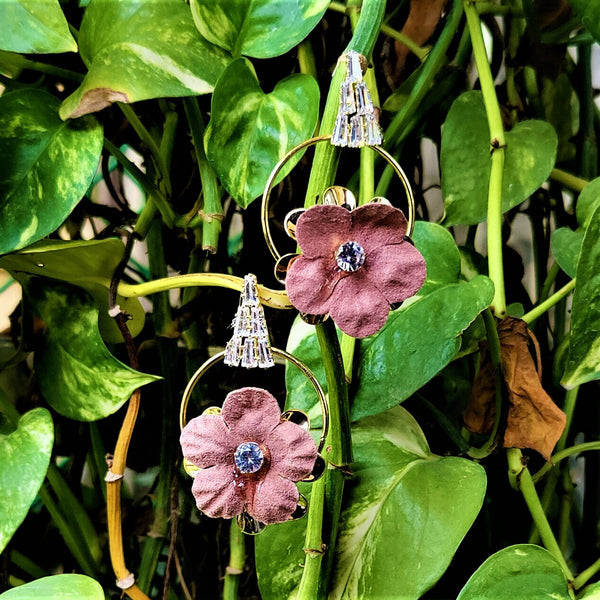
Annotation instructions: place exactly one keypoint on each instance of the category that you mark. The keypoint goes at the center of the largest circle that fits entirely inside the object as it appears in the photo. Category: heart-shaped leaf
(257, 28)
(250, 131)
(56, 163)
(416, 344)
(78, 376)
(524, 571)
(87, 264)
(591, 592)
(419, 339)
(589, 12)
(34, 27)
(566, 247)
(140, 50)
(398, 529)
(24, 457)
(583, 361)
(587, 202)
(465, 161)
(58, 587)
(441, 254)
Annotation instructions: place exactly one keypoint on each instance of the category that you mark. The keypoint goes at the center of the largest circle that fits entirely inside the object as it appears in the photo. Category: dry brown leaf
(420, 25)
(533, 420)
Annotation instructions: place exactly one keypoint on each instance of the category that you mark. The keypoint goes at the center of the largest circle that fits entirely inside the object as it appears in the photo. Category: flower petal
(274, 499)
(310, 283)
(205, 441)
(321, 230)
(357, 306)
(398, 271)
(216, 493)
(376, 225)
(293, 451)
(250, 413)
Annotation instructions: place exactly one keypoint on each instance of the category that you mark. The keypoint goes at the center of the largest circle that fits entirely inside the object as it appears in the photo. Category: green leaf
(591, 592)
(589, 12)
(465, 161)
(523, 571)
(583, 361)
(398, 530)
(24, 458)
(588, 202)
(87, 264)
(250, 131)
(57, 587)
(566, 246)
(415, 344)
(437, 245)
(78, 376)
(140, 50)
(56, 164)
(257, 28)
(441, 254)
(34, 27)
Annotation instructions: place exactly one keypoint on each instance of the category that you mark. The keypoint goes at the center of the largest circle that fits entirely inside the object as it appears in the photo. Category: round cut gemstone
(248, 457)
(350, 256)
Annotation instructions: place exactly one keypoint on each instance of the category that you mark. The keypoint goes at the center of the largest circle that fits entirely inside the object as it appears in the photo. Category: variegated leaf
(140, 50)
(258, 28)
(250, 131)
(583, 361)
(24, 457)
(56, 164)
(68, 586)
(34, 27)
(398, 530)
(523, 571)
(77, 374)
(87, 264)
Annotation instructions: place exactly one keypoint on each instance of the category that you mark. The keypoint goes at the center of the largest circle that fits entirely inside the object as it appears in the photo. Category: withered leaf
(533, 420)
(420, 25)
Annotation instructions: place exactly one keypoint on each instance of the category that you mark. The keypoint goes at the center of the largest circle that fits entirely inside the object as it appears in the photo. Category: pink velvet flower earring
(356, 263)
(247, 456)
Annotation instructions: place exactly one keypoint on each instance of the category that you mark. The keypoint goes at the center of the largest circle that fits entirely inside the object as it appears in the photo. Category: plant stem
(150, 142)
(269, 297)
(496, 358)
(571, 181)
(71, 537)
(212, 209)
(547, 304)
(10, 59)
(586, 575)
(237, 562)
(324, 513)
(562, 454)
(154, 195)
(498, 144)
(306, 59)
(521, 477)
(325, 159)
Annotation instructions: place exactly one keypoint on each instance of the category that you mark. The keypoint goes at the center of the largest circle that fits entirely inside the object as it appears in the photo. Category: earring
(247, 456)
(356, 263)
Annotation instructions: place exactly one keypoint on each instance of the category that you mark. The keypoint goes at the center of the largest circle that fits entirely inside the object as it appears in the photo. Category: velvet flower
(248, 458)
(354, 265)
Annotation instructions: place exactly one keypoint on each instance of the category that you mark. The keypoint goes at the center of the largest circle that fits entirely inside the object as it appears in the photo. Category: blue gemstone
(248, 457)
(350, 256)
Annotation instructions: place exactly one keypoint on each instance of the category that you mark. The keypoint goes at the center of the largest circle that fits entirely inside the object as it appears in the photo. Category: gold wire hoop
(264, 210)
(276, 352)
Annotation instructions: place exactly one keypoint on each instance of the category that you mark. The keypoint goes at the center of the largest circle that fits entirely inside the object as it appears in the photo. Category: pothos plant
(457, 466)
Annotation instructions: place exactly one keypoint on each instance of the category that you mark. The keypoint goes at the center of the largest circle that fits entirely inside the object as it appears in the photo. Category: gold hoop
(276, 352)
(264, 210)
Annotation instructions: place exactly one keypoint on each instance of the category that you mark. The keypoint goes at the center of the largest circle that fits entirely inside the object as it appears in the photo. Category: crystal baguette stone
(249, 346)
(356, 124)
